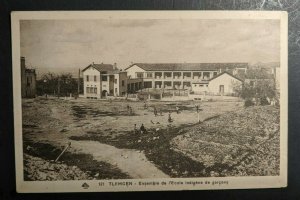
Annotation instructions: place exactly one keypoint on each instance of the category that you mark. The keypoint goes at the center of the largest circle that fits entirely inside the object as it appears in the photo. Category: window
(87, 90)
(95, 78)
(123, 82)
(149, 75)
(95, 90)
(139, 74)
(215, 73)
(104, 78)
(87, 78)
(116, 90)
(116, 81)
(206, 75)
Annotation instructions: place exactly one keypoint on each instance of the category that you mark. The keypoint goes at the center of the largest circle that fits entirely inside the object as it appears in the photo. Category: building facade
(102, 80)
(222, 84)
(183, 75)
(28, 81)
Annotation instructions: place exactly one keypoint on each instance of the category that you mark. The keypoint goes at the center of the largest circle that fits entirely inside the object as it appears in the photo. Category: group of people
(142, 129)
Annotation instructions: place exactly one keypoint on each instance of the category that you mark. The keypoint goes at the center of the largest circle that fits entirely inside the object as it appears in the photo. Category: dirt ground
(104, 142)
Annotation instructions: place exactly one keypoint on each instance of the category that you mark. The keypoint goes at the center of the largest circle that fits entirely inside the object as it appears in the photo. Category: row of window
(196, 85)
(104, 78)
(169, 74)
(94, 78)
(91, 90)
(88, 78)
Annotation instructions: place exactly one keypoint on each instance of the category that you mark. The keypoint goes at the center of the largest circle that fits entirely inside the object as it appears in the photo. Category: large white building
(191, 76)
(101, 80)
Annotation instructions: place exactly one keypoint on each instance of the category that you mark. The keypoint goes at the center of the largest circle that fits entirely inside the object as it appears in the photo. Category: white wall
(226, 80)
(132, 71)
(91, 72)
(197, 88)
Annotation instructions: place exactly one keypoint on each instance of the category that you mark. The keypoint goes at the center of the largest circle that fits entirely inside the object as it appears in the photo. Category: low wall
(201, 98)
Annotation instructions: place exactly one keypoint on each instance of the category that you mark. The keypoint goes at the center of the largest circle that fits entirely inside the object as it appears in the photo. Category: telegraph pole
(58, 87)
(78, 86)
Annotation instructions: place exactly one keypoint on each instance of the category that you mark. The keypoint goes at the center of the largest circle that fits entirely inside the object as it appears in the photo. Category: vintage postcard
(149, 100)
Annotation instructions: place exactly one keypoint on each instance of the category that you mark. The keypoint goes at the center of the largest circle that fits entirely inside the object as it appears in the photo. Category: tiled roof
(187, 66)
(100, 67)
(225, 73)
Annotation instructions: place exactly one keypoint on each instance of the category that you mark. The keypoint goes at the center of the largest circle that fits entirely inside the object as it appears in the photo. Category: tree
(47, 84)
(261, 90)
(258, 85)
(62, 85)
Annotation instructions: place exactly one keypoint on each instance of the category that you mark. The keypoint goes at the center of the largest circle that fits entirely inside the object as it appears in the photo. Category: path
(132, 162)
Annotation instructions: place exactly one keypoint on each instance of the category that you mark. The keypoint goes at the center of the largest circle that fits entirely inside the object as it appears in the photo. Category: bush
(264, 101)
(156, 96)
(248, 102)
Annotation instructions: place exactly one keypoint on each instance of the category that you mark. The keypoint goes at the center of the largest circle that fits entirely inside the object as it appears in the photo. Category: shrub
(248, 102)
(264, 101)
(156, 96)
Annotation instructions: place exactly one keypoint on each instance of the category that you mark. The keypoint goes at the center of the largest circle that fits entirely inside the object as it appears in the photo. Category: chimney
(22, 62)
(115, 66)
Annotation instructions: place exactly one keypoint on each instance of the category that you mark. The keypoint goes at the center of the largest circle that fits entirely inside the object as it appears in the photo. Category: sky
(66, 45)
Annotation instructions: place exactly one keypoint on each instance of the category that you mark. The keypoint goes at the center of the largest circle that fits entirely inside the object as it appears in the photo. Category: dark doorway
(104, 94)
(221, 89)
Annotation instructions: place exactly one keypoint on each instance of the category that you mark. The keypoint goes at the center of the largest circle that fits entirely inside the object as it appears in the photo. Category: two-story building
(101, 80)
(181, 75)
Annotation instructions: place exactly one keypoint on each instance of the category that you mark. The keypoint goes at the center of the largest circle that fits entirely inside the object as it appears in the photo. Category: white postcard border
(164, 184)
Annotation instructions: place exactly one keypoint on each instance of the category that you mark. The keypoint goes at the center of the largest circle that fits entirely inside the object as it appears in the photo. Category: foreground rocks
(37, 169)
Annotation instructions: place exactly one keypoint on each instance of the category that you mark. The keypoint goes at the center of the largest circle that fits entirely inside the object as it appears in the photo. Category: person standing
(135, 129)
(169, 118)
(177, 109)
(155, 111)
(142, 129)
(198, 114)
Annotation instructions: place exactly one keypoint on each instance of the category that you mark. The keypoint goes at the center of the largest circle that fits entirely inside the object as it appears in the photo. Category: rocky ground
(39, 169)
(228, 142)
(39, 164)
(241, 143)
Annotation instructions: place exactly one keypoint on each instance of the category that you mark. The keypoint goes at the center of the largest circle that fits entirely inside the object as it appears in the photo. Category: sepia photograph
(149, 100)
